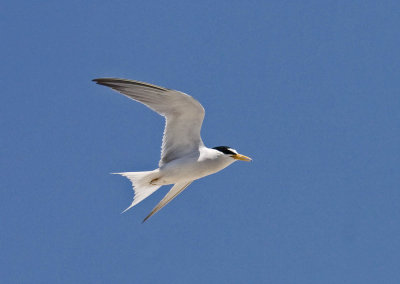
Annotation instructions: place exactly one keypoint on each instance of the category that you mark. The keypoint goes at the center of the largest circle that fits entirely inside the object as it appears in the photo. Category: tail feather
(141, 185)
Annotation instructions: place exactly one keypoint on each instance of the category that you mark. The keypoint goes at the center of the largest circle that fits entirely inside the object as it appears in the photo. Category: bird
(184, 157)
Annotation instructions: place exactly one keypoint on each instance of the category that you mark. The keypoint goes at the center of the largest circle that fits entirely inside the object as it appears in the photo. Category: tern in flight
(184, 157)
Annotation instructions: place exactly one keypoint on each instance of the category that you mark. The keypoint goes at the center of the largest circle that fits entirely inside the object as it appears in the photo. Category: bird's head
(228, 151)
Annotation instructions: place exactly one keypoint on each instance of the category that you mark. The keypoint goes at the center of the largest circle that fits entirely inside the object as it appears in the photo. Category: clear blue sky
(309, 89)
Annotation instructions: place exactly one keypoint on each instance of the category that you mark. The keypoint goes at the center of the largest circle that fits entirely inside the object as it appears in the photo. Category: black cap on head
(226, 150)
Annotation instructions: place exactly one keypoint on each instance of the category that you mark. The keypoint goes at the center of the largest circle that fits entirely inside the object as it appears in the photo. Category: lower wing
(174, 191)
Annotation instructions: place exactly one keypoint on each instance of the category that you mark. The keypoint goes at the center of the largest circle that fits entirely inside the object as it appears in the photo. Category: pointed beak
(241, 157)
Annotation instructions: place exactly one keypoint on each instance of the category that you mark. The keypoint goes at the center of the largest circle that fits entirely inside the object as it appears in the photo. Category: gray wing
(183, 114)
(172, 193)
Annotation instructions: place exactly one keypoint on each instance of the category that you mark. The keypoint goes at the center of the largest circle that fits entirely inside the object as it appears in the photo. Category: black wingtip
(100, 80)
(147, 217)
(108, 82)
(111, 82)
(97, 81)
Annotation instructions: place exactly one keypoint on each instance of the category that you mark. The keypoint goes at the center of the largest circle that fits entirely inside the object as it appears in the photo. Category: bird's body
(184, 157)
(193, 166)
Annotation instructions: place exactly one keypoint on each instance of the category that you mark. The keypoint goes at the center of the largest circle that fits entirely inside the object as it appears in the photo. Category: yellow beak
(241, 157)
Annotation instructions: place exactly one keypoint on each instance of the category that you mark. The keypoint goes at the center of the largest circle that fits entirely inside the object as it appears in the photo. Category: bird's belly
(189, 170)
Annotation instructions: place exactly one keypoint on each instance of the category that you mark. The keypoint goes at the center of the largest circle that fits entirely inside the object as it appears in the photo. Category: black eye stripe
(225, 150)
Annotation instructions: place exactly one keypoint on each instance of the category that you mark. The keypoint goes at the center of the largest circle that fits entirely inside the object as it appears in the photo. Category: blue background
(309, 89)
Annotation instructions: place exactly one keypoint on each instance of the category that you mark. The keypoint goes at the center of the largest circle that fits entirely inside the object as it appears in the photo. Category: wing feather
(183, 114)
(174, 192)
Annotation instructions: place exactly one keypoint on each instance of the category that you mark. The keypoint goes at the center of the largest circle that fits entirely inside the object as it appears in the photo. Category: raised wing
(183, 114)
(172, 193)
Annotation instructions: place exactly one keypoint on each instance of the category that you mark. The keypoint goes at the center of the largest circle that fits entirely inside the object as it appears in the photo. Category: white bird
(184, 157)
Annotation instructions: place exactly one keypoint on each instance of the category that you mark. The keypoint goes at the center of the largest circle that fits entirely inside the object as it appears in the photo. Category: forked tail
(141, 185)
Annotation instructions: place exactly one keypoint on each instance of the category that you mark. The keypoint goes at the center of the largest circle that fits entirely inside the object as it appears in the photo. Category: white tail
(141, 185)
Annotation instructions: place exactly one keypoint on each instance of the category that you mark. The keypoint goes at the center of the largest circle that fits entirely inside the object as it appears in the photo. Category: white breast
(205, 162)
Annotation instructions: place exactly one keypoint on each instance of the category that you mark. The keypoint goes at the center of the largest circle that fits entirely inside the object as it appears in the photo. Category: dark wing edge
(114, 83)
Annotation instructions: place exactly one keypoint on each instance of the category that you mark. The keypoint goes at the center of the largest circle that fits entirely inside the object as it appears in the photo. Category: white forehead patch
(233, 150)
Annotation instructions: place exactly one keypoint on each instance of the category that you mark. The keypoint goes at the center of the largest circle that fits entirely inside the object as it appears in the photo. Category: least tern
(184, 157)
